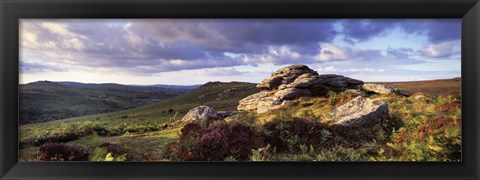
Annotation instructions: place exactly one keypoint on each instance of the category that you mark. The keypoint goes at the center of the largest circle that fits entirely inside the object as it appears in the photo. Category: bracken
(60, 152)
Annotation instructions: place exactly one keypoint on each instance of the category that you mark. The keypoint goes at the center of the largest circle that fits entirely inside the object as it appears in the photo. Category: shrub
(58, 138)
(290, 135)
(60, 152)
(438, 138)
(191, 130)
(218, 141)
(100, 130)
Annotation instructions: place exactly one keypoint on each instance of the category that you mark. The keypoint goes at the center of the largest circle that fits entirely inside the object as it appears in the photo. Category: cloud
(238, 36)
(36, 68)
(363, 30)
(327, 69)
(51, 35)
(436, 30)
(331, 52)
(400, 53)
(138, 43)
(439, 50)
(366, 54)
(332, 69)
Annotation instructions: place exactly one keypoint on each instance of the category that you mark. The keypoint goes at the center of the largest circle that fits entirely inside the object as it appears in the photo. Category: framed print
(249, 89)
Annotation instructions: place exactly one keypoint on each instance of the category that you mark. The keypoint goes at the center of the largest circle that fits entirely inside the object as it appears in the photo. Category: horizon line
(220, 81)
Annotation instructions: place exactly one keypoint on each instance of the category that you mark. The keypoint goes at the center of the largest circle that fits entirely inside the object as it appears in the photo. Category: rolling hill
(45, 100)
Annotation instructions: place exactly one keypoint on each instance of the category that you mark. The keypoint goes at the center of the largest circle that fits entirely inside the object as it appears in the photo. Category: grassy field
(44, 100)
(127, 126)
(420, 128)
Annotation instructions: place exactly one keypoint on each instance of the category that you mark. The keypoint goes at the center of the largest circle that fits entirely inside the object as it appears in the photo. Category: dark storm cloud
(436, 30)
(363, 30)
(238, 36)
(278, 32)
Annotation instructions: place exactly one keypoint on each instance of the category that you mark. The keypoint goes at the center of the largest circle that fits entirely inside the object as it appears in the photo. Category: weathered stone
(200, 113)
(268, 104)
(377, 88)
(285, 75)
(291, 93)
(319, 85)
(338, 82)
(261, 100)
(360, 111)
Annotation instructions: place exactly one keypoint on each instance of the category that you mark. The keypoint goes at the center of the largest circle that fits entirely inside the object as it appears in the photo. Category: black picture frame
(13, 10)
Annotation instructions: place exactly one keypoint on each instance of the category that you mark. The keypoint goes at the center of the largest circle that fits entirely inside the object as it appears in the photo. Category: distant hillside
(221, 95)
(430, 87)
(46, 100)
(175, 86)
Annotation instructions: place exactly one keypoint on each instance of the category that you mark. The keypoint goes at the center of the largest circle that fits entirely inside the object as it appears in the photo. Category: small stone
(377, 88)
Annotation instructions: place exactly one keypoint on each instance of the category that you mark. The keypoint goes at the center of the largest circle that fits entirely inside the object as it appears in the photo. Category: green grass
(45, 101)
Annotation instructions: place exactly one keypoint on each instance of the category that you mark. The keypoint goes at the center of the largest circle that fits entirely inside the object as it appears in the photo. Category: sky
(196, 51)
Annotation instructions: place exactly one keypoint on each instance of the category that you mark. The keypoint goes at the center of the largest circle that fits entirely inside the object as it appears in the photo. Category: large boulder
(360, 111)
(292, 82)
(200, 113)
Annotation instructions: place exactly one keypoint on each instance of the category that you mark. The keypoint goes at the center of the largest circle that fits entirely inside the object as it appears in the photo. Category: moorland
(295, 114)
